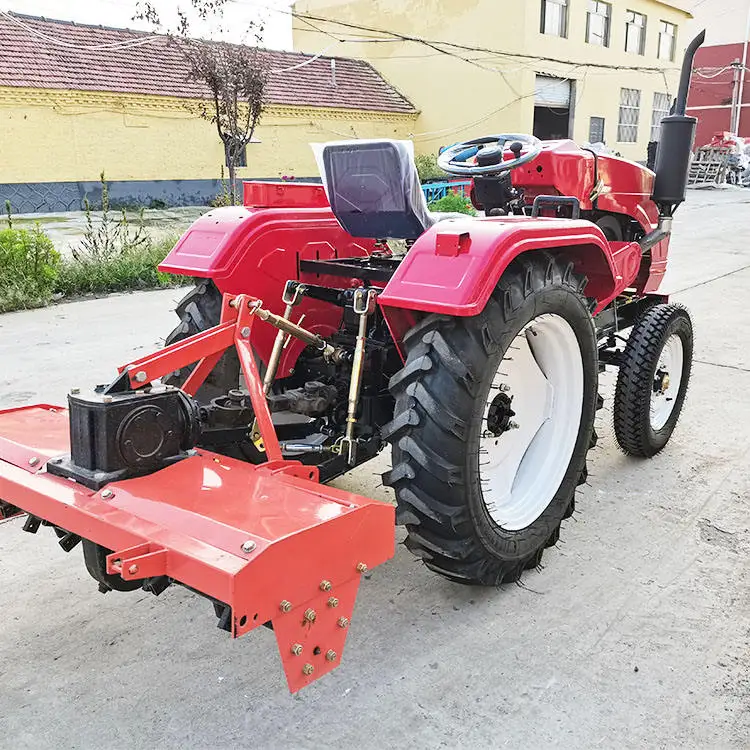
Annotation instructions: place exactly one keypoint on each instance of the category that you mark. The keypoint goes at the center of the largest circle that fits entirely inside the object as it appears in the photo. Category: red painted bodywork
(618, 185)
(255, 249)
(193, 520)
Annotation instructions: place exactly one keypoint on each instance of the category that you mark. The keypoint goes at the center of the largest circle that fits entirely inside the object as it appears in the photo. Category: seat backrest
(374, 189)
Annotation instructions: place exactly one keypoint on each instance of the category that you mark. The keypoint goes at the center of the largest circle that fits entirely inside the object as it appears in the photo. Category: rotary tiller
(309, 343)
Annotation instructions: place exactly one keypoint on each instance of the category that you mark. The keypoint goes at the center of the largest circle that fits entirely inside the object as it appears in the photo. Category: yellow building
(78, 100)
(589, 70)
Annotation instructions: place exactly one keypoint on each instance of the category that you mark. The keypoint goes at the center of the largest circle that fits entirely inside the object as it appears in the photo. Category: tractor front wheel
(653, 380)
(494, 416)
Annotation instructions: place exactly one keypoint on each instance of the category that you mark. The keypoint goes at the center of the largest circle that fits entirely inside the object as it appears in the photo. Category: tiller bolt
(333, 602)
(285, 606)
(310, 615)
(308, 669)
(325, 585)
(331, 655)
(248, 546)
(361, 568)
(297, 649)
(343, 622)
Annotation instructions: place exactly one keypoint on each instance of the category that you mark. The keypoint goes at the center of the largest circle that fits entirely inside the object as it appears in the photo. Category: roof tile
(42, 53)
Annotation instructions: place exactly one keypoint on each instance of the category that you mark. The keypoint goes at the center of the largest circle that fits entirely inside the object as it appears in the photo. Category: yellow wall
(50, 136)
(460, 99)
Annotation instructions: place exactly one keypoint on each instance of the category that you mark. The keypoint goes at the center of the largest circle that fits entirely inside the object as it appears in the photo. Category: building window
(662, 104)
(240, 150)
(555, 17)
(596, 130)
(598, 23)
(635, 33)
(667, 40)
(630, 110)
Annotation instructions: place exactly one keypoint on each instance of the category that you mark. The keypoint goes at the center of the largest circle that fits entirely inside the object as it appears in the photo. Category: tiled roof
(42, 53)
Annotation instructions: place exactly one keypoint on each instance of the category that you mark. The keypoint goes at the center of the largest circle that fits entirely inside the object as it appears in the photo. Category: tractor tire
(199, 310)
(473, 403)
(653, 380)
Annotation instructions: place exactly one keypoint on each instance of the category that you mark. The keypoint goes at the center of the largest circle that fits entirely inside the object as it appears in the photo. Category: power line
(438, 45)
(143, 40)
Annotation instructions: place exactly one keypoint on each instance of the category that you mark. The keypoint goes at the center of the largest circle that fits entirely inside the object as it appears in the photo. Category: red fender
(255, 251)
(453, 268)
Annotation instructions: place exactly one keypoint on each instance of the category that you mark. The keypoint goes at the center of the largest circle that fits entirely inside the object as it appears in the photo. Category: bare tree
(235, 76)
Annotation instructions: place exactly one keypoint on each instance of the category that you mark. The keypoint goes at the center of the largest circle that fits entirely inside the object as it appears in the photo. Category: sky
(120, 13)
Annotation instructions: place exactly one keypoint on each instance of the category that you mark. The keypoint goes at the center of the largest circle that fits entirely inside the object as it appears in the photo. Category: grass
(132, 270)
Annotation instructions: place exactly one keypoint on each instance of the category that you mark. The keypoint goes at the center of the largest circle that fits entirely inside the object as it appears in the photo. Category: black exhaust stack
(676, 142)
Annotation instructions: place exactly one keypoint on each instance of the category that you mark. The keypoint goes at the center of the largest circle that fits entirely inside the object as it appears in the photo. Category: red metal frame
(267, 540)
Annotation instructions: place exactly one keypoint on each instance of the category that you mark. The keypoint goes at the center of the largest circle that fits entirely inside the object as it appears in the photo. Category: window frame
(664, 27)
(661, 112)
(624, 127)
(562, 33)
(593, 9)
(603, 122)
(630, 22)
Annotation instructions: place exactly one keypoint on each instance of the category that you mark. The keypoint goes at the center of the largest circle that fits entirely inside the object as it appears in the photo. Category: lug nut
(248, 546)
(310, 615)
(333, 602)
(285, 606)
(308, 669)
(245, 332)
(140, 376)
(33, 461)
(297, 649)
(331, 655)
(325, 585)
(361, 568)
(343, 622)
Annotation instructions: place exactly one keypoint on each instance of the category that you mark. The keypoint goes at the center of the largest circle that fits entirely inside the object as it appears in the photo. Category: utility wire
(143, 40)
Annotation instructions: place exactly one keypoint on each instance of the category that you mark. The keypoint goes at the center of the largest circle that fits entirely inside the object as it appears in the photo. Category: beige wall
(50, 136)
(460, 100)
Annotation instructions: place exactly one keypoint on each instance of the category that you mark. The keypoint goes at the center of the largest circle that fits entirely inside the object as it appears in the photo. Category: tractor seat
(374, 189)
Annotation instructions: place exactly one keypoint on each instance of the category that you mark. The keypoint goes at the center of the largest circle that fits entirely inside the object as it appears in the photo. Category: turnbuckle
(364, 306)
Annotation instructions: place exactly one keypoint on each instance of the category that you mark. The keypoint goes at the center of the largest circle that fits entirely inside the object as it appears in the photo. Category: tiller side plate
(268, 541)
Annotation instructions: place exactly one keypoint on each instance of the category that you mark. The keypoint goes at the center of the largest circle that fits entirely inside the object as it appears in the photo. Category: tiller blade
(266, 543)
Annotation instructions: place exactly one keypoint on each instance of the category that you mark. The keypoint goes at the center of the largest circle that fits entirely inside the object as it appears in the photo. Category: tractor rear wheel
(199, 310)
(653, 380)
(493, 420)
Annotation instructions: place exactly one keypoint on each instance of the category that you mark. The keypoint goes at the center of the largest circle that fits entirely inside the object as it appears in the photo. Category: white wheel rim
(522, 468)
(667, 381)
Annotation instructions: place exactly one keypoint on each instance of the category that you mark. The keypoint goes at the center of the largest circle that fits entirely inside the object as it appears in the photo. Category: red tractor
(309, 343)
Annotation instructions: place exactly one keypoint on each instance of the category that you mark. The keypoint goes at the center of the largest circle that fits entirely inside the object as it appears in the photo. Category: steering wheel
(491, 155)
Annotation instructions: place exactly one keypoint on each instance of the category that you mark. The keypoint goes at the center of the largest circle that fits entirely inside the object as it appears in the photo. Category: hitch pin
(293, 292)
(364, 306)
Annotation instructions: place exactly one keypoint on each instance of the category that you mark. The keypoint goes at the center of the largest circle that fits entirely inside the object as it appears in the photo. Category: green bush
(427, 167)
(29, 266)
(453, 203)
(132, 269)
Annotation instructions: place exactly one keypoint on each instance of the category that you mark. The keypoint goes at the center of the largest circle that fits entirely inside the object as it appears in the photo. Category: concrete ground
(636, 634)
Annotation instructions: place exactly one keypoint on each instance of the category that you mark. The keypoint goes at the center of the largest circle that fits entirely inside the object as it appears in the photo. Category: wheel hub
(661, 381)
(499, 415)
